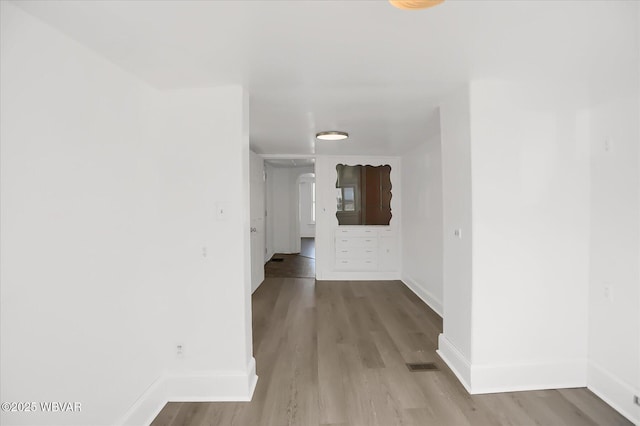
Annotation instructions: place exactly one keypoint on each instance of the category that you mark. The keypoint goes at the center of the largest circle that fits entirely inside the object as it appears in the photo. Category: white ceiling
(360, 66)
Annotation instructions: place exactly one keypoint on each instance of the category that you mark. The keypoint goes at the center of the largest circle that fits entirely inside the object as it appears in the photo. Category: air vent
(277, 259)
(429, 366)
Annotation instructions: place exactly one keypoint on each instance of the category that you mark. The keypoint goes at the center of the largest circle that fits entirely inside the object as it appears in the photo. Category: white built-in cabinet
(356, 252)
(366, 248)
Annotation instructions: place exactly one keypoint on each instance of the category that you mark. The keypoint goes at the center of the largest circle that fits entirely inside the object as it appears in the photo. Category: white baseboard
(196, 387)
(147, 407)
(258, 286)
(269, 256)
(613, 391)
(494, 378)
(357, 276)
(457, 362)
(425, 295)
(526, 376)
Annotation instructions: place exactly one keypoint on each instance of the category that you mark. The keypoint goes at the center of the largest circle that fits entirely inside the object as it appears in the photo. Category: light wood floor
(334, 353)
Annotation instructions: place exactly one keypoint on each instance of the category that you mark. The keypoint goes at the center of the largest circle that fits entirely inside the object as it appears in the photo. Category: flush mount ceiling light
(332, 135)
(414, 4)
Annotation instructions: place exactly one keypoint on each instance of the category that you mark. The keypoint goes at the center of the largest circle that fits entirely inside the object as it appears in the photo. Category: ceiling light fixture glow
(414, 4)
(332, 135)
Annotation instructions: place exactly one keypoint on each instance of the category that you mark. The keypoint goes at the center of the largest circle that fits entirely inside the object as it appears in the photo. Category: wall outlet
(636, 399)
(179, 351)
(458, 233)
(608, 144)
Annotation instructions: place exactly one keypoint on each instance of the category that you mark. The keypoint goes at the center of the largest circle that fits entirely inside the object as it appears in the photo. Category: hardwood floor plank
(419, 417)
(407, 391)
(330, 388)
(357, 382)
(191, 413)
(334, 354)
(592, 406)
(564, 409)
(167, 415)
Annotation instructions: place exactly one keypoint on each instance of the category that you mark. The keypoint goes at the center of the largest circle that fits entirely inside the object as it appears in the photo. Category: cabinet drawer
(387, 232)
(356, 252)
(356, 264)
(356, 232)
(347, 242)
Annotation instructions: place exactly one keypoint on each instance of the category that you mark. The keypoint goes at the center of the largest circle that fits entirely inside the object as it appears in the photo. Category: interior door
(258, 242)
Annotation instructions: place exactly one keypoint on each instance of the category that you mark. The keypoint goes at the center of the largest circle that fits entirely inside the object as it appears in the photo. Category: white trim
(457, 362)
(287, 156)
(211, 386)
(424, 295)
(527, 376)
(269, 256)
(357, 275)
(613, 391)
(147, 406)
(255, 289)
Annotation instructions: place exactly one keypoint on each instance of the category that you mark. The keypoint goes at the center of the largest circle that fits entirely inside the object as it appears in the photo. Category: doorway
(290, 218)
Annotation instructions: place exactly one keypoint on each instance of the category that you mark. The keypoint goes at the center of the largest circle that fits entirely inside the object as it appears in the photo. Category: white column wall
(614, 262)
(530, 173)
(422, 233)
(112, 248)
(455, 341)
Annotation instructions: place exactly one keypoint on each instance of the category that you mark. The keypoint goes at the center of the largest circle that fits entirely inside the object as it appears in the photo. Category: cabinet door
(388, 254)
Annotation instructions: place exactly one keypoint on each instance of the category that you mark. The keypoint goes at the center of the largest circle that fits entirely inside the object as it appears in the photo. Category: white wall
(555, 288)
(455, 341)
(555, 222)
(269, 219)
(613, 345)
(282, 208)
(422, 231)
(80, 241)
(530, 174)
(614, 342)
(204, 163)
(109, 190)
(258, 238)
(305, 201)
(515, 178)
